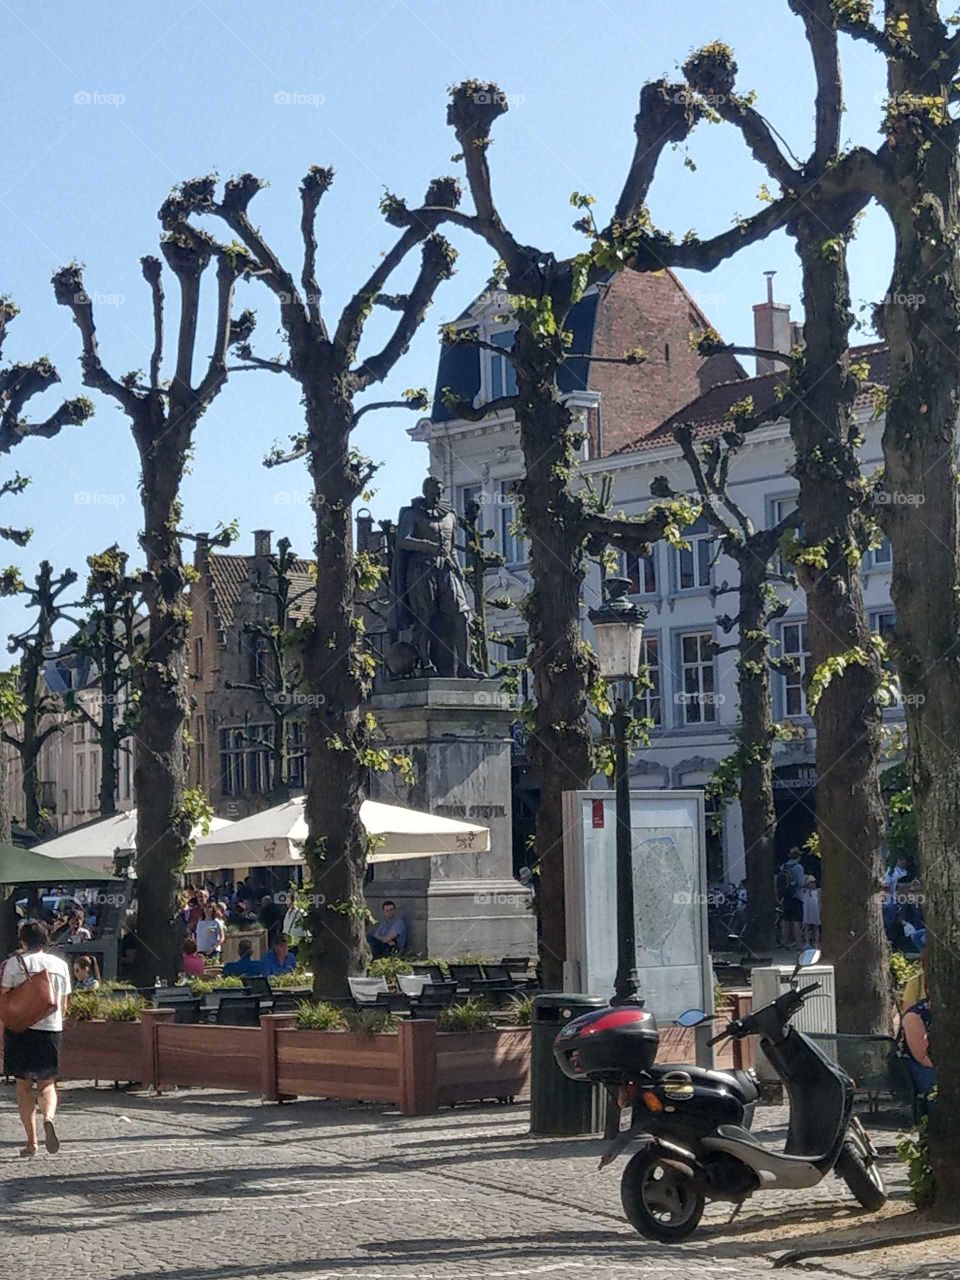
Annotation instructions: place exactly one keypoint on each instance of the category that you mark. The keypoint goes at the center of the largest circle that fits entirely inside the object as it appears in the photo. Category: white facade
(694, 699)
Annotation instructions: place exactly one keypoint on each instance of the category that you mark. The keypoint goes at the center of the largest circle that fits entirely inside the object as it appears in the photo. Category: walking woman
(33, 1056)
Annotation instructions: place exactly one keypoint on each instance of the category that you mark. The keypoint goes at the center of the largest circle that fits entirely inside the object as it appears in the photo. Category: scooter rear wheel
(660, 1202)
(857, 1166)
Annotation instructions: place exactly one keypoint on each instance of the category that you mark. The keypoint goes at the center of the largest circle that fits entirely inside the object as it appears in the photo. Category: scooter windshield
(819, 1092)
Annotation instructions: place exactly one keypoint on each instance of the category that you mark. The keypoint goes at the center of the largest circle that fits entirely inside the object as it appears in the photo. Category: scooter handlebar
(814, 986)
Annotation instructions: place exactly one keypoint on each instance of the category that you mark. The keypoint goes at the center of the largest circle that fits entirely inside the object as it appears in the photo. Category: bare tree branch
(152, 273)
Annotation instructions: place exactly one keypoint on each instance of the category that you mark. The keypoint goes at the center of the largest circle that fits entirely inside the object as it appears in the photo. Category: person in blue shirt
(279, 959)
(389, 938)
(245, 966)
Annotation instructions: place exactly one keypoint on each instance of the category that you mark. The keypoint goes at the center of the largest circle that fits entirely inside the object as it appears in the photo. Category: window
(641, 571)
(468, 494)
(200, 744)
(80, 731)
(232, 762)
(693, 563)
(649, 696)
(80, 783)
(198, 658)
(514, 546)
(795, 644)
(94, 779)
(261, 658)
(697, 697)
(780, 508)
(124, 771)
(881, 557)
(503, 376)
(259, 740)
(296, 754)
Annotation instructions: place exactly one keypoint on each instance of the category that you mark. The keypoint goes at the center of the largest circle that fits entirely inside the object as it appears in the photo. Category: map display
(669, 886)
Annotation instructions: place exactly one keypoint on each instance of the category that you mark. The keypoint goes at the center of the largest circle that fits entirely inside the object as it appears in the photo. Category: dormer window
(501, 375)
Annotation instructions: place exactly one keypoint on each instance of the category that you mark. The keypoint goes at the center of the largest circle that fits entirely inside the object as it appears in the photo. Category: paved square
(209, 1185)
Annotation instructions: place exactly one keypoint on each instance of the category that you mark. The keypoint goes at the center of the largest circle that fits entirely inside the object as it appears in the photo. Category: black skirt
(31, 1055)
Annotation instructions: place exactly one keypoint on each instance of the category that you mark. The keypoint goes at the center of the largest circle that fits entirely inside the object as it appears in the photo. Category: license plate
(626, 1119)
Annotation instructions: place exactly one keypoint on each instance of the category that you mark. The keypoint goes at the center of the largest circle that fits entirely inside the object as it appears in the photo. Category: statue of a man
(428, 588)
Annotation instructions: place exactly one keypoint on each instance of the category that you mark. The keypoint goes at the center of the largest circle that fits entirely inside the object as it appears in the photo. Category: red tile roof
(709, 413)
(229, 574)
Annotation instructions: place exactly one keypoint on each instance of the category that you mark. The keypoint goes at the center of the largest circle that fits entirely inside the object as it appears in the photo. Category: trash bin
(560, 1107)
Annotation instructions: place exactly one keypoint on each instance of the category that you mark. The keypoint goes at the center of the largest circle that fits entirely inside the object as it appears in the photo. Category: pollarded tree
(19, 384)
(557, 516)
(917, 182)
(279, 681)
(327, 365)
(163, 415)
(43, 711)
(828, 190)
(748, 771)
(108, 637)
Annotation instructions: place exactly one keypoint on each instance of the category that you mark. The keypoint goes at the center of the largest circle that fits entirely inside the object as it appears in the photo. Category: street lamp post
(618, 631)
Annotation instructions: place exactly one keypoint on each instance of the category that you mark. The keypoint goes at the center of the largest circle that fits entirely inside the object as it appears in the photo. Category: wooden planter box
(100, 1050)
(415, 1069)
(339, 1064)
(474, 1065)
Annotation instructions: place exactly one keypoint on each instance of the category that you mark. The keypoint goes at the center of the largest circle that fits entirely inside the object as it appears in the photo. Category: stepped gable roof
(229, 574)
(708, 415)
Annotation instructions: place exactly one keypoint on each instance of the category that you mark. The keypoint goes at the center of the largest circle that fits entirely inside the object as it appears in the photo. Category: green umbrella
(24, 866)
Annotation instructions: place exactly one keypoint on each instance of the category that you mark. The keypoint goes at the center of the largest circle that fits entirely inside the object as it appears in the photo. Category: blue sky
(108, 105)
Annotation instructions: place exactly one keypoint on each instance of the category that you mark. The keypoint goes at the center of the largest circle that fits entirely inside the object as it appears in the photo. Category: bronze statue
(427, 587)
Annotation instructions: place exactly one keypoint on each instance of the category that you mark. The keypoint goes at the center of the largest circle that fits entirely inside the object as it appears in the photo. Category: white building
(693, 700)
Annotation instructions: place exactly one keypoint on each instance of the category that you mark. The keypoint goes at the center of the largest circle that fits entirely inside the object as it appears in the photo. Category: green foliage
(195, 809)
(370, 1022)
(297, 978)
(127, 1009)
(389, 967)
(12, 706)
(901, 823)
(521, 1011)
(316, 1015)
(472, 1015)
(84, 1006)
(205, 986)
(915, 1154)
(902, 970)
(113, 984)
(837, 664)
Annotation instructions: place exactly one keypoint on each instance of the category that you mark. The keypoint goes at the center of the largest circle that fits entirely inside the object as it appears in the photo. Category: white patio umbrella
(276, 837)
(94, 844)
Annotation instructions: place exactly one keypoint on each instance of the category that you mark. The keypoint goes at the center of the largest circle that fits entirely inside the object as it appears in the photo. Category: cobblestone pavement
(209, 1185)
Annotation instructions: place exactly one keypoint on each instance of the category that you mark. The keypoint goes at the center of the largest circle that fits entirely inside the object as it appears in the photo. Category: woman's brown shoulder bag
(22, 1006)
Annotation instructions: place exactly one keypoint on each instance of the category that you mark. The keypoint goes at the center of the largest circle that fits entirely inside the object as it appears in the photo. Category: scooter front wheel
(660, 1201)
(857, 1166)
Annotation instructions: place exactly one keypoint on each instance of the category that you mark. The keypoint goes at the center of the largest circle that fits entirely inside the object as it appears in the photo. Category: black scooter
(695, 1123)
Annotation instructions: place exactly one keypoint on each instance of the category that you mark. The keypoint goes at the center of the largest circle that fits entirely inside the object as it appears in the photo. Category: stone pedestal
(457, 733)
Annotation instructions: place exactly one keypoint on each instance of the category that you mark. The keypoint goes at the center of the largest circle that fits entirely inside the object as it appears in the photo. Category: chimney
(262, 543)
(201, 552)
(772, 329)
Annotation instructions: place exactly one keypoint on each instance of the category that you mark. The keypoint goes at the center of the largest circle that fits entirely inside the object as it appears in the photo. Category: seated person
(915, 1046)
(192, 960)
(389, 938)
(279, 959)
(245, 965)
(86, 974)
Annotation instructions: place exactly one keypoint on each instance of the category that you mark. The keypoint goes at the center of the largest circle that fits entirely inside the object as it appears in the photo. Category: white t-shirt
(209, 935)
(13, 975)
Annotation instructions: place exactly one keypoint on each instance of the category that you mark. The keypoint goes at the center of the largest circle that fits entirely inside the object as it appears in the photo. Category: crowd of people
(206, 913)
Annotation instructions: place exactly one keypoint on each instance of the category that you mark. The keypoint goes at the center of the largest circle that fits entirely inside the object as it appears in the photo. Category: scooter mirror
(691, 1018)
(808, 957)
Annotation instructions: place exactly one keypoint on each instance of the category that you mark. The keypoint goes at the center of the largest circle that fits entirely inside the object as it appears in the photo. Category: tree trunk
(107, 733)
(337, 844)
(921, 319)
(756, 746)
(160, 777)
(560, 745)
(847, 717)
(8, 900)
